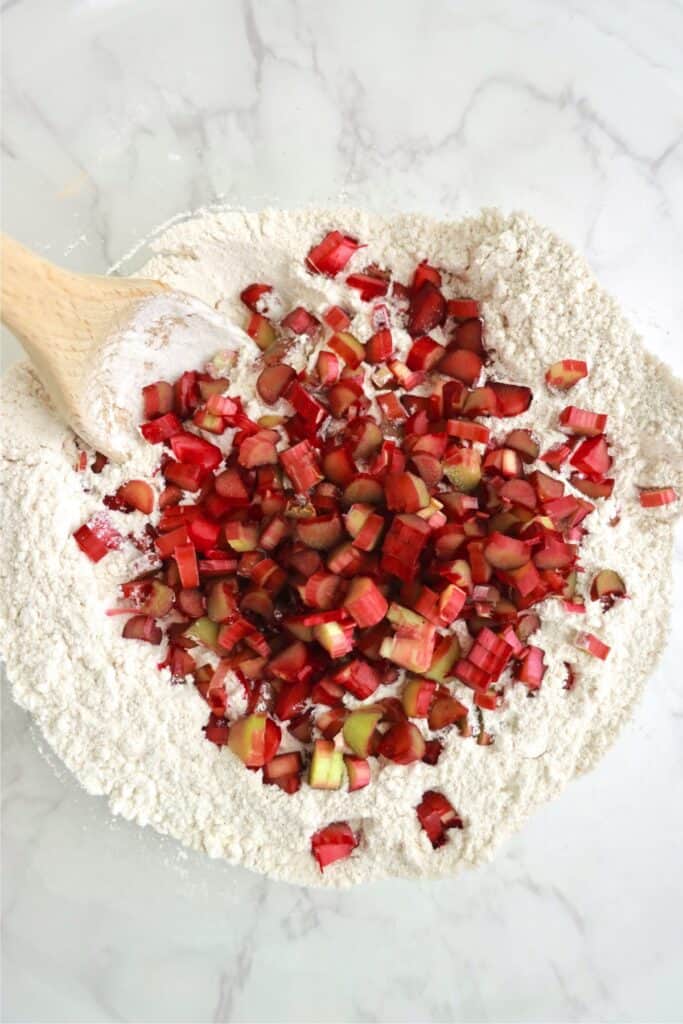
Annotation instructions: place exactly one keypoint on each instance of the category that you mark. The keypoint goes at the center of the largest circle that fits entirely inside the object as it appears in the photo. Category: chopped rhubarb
(358, 771)
(300, 463)
(330, 256)
(583, 422)
(654, 497)
(436, 815)
(566, 373)
(251, 296)
(591, 644)
(332, 843)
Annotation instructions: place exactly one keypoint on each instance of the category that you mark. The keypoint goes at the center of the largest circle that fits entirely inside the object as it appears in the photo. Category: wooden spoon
(96, 341)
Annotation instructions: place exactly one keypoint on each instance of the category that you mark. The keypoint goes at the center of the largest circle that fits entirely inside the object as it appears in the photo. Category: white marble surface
(119, 115)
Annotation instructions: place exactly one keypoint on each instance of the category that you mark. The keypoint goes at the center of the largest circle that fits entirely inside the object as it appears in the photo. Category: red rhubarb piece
(299, 321)
(513, 399)
(463, 309)
(195, 451)
(461, 364)
(157, 399)
(332, 843)
(142, 627)
(365, 603)
(330, 256)
(402, 744)
(566, 373)
(427, 309)
(273, 382)
(161, 429)
(300, 463)
(368, 285)
(137, 494)
(337, 318)
(592, 457)
(654, 497)
(436, 815)
(252, 295)
(583, 422)
(592, 645)
(380, 347)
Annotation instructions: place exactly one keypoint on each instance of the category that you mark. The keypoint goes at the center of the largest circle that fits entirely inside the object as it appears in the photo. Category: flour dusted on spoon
(126, 732)
(154, 344)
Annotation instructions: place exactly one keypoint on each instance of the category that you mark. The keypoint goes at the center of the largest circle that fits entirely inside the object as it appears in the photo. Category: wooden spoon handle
(57, 314)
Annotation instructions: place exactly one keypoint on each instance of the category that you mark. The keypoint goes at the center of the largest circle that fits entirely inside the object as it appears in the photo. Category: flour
(126, 732)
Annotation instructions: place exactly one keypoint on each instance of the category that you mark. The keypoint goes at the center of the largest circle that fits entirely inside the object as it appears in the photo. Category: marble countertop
(119, 115)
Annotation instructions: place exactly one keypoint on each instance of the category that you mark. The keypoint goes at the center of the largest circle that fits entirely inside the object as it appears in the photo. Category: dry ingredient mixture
(449, 610)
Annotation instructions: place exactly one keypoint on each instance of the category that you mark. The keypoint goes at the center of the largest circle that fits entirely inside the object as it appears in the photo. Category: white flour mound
(125, 732)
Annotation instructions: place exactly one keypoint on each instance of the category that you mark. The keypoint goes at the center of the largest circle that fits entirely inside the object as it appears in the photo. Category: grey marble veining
(119, 114)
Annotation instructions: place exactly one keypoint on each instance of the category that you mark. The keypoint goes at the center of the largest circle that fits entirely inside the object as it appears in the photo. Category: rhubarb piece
(654, 497)
(254, 739)
(592, 645)
(300, 321)
(328, 368)
(217, 730)
(359, 730)
(403, 743)
(142, 627)
(583, 422)
(363, 489)
(461, 364)
(411, 647)
(445, 711)
(284, 771)
(592, 457)
(204, 631)
(300, 463)
(359, 678)
(337, 318)
(90, 543)
(161, 429)
(427, 309)
(405, 492)
(462, 466)
(348, 348)
(566, 373)
(337, 639)
(417, 697)
(365, 603)
(320, 532)
(468, 431)
(506, 552)
(403, 545)
(425, 354)
(607, 586)
(592, 488)
(151, 597)
(273, 382)
(446, 652)
(291, 699)
(157, 399)
(195, 451)
(363, 437)
(260, 330)
(370, 286)
(437, 815)
(327, 766)
(512, 399)
(330, 256)
(332, 843)
(251, 296)
(391, 406)
(358, 771)
(425, 272)
(380, 347)
(531, 668)
(463, 309)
